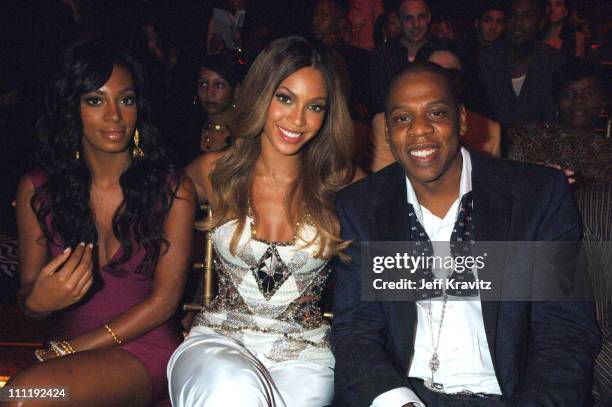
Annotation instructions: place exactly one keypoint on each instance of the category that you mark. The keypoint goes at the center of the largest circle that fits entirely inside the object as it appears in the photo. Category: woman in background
(561, 32)
(209, 126)
(263, 341)
(386, 27)
(105, 230)
(571, 142)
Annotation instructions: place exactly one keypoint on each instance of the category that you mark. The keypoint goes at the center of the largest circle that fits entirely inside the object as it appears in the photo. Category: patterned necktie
(461, 243)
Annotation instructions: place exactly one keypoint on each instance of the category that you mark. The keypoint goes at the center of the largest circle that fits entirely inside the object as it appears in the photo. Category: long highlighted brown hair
(325, 160)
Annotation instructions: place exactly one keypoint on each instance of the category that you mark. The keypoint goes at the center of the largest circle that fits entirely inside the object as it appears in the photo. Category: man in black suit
(438, 352)
(516, 71)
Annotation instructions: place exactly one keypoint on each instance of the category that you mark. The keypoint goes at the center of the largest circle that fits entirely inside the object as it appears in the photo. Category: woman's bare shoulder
(199, 171)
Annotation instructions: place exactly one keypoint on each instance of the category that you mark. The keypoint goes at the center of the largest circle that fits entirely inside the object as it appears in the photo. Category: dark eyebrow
(394, 108)
(321, 98)
(435, 102)
(286, 88)
(122, 91)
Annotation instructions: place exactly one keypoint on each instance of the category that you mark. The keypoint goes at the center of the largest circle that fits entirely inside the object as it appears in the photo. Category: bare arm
(199, 172)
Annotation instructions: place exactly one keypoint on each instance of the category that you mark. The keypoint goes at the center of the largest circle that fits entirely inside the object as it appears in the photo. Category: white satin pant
(212, 370)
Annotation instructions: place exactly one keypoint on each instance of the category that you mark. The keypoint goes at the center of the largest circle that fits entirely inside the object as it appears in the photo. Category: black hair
(379, 26)
(540, 5)
(229, 66)
(399, 4)
(489, 5)
(575, 71)
(427, 67)
(430, 47)
(148, 184)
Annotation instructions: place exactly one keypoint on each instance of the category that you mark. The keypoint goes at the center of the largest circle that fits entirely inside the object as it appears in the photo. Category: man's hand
(570, 174)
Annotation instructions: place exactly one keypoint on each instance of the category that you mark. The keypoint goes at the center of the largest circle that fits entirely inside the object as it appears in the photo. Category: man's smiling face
(423, 122)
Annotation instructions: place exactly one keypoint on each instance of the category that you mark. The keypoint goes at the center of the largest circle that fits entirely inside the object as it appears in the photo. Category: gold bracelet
(110, 331)
(60, 347)
(66, 347)
(54, 346)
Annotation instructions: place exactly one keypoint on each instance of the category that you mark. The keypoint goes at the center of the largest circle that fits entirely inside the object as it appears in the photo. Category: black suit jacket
(535, 101)
(542, 352)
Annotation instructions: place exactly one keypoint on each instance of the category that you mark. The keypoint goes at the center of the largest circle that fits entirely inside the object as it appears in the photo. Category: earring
(233, 105)
(77, 154)
(137, 151)
(195, 100)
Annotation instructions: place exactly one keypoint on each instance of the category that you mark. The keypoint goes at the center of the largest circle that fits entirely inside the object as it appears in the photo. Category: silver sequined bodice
(269, 296)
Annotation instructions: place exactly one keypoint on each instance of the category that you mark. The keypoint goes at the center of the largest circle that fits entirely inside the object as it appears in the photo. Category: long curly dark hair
(148, 184)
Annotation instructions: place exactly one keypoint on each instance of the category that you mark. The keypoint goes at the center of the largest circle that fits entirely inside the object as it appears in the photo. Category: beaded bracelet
(60, 347)
(115, 337)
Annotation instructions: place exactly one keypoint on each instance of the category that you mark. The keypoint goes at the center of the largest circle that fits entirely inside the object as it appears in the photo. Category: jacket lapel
(389, 220)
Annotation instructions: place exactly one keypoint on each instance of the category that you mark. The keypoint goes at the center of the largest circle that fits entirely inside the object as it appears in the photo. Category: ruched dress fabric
(116, 291)
(260, 343)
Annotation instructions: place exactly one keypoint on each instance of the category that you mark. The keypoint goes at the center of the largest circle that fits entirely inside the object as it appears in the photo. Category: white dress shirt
(463, 350)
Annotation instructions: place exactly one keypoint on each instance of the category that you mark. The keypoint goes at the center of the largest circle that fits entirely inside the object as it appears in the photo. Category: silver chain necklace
(434, 362)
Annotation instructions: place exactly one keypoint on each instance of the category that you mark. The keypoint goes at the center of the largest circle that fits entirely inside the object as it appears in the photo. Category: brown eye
(317, 108)
(129, 100)
(437, 114)
(284, 99)
(93, 101)
(402, 118)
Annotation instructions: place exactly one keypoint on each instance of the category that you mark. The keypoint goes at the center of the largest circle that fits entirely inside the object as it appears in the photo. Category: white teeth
(423, 153)
(289, 134)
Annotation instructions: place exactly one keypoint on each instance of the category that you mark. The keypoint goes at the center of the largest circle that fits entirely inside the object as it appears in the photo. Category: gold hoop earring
(137, 151)
(77, 155)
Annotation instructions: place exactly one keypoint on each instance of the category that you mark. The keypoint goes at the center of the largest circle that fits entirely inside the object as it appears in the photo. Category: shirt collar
(465, 184)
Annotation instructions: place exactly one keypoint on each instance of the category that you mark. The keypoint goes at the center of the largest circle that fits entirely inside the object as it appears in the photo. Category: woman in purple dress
(105, 229)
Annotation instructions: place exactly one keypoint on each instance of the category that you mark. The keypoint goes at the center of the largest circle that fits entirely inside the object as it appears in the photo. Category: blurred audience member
(329, 25)
(443, 28)
(158, 56)
(516, 72)
(218, 79)
(490, 24)
(570, 141)
(325, 19)
(363, 15)
(224, 26)
(561, 31)
(388, 60)
(386, 28)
